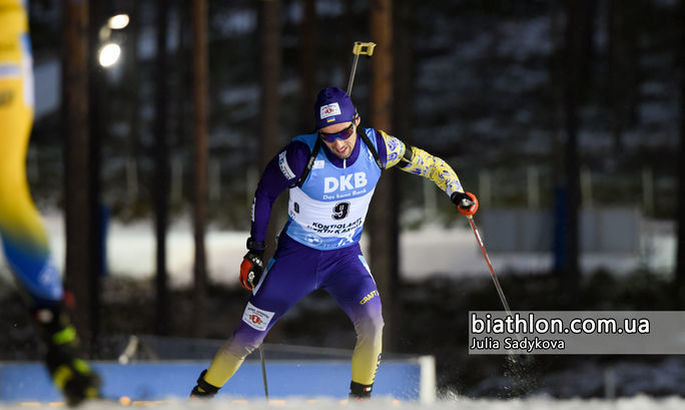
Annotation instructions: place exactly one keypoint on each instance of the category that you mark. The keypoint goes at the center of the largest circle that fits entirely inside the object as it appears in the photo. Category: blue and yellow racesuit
(319, 246)
(24, 239)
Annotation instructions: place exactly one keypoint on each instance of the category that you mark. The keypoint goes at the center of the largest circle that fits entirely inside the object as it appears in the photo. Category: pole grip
(363, 48)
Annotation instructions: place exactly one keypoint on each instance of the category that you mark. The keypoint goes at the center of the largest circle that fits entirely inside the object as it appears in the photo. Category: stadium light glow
(109, 54)
(118, 22)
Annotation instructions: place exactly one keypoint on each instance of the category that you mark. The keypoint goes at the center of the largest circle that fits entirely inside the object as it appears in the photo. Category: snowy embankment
(634, 403)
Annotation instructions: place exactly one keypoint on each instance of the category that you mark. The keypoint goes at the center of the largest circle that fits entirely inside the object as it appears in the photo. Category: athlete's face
(341, 147)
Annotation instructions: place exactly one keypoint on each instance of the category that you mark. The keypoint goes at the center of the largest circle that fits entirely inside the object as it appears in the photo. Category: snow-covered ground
(450, 252)
(634, 403)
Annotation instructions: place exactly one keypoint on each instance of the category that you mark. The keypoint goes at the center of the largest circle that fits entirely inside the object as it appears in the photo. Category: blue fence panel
(163, 380)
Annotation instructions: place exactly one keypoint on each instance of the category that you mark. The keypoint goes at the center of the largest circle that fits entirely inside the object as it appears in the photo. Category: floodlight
(109, 54)
(118, 22)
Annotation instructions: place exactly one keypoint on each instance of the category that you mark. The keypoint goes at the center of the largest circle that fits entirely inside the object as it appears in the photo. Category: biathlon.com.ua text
(576, 332)
(518, 324)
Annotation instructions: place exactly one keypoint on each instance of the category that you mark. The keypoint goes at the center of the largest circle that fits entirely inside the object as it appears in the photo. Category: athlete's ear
(357, 120)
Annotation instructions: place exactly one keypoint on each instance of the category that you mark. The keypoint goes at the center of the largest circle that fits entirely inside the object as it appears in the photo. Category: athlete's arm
(282, 172)
(418, 162)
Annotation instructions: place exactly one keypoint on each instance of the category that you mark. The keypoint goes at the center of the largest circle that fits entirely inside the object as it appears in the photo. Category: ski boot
(203, 390)
(68, 370)
(360, 392)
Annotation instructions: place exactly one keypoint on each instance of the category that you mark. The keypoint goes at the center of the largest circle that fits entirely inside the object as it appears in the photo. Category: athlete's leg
(290, 276)
(24, 239)
(353, 287)
(23, 235)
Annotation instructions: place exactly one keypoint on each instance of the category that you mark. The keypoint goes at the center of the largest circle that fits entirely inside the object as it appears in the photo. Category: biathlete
(23, 235)
(331, 175)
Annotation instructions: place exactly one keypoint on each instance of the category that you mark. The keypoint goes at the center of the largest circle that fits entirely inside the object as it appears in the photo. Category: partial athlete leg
(290, 276)
(353, 287)
(24, 238)
(23, 235)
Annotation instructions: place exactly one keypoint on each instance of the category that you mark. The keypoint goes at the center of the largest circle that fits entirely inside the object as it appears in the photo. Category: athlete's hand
(466, 202)
(252, 267)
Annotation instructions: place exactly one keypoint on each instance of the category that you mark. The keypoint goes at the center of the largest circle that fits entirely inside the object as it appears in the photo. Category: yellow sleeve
(419, 162)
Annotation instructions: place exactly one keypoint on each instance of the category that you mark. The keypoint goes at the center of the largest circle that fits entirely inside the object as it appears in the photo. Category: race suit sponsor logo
(285, 168)
(393, 148)
(252, 210)
(335, 229)
(329, 110)
(256, 318)
(368, 297)
(345, 182)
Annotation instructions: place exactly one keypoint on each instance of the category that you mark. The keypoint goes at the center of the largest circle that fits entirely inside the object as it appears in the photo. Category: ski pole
(516, 366)
(487, 261)
(358, 49)
(261, 358)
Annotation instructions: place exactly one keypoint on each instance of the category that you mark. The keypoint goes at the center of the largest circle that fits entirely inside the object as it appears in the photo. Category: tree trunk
(200, 86)
(384, 239)
(98, 117)
(183, 78)
(161, 185)
(345, 59)
(269, 102)
(680, 257)
(270, 71)
(132, 84)
(622, 68)
(77, 148)
(578, 31)
(402, 124)
(307, 62)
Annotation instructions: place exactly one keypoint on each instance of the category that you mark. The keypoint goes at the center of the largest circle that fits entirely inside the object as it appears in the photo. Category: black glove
(466, 202)
(252, 267)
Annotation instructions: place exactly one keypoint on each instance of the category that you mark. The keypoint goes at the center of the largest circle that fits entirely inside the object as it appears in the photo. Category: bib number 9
(340, 210)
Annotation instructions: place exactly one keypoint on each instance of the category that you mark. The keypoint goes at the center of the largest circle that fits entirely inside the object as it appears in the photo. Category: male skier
(331, 175)
(23, 236)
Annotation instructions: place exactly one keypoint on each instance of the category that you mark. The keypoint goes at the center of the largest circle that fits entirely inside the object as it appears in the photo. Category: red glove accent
(468, 206)
(250, 271)
(69, 299)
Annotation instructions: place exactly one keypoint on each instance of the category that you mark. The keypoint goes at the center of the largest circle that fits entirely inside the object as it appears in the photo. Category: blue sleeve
(282, 172)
